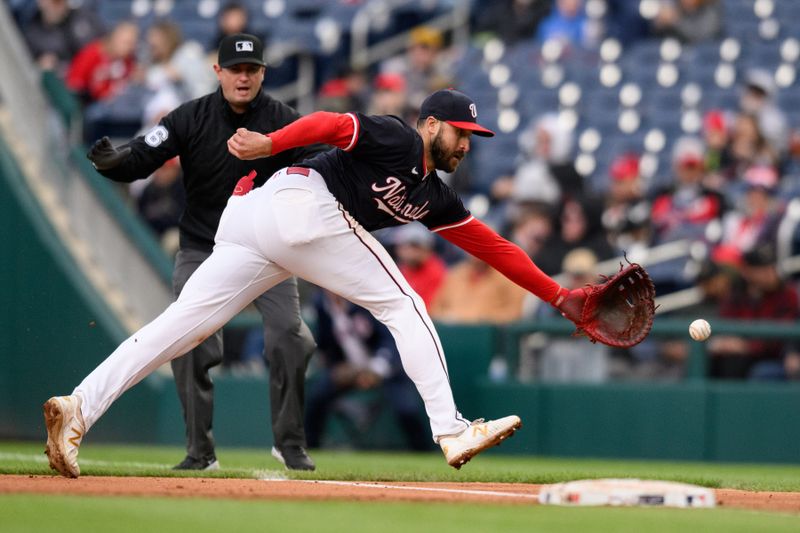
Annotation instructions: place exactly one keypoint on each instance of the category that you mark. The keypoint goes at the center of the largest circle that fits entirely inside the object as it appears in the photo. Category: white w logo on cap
(473, 110)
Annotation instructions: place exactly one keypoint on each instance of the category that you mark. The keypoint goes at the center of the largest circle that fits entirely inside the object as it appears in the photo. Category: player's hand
(104, 156)
(247, 145)
(572, 305)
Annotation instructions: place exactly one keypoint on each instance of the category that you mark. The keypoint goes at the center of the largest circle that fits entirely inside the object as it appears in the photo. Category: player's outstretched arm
(618, 312)
(478, 239)
(337, 129)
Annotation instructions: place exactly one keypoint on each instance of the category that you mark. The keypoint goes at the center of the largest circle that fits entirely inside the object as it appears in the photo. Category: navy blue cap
(455, 108)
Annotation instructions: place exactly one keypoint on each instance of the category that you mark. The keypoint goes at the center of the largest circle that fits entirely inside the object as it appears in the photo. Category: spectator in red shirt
(685, 211)
(764, 295)
(420, 265)
(757, 218)
(103, 67)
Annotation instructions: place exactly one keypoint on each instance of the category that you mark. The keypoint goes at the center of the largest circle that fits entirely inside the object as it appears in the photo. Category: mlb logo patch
(244, 46)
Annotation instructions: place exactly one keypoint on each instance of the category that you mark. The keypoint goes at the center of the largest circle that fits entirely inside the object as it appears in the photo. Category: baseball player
(196, 132)
(313, 220)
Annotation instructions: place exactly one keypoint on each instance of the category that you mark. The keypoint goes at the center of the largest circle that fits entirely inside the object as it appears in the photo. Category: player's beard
(443, 158)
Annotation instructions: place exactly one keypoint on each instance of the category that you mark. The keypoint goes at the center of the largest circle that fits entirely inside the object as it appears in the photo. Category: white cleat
(458, 449)
(65, 430)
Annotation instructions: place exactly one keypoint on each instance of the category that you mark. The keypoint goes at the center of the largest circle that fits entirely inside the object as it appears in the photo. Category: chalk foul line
(423, 489)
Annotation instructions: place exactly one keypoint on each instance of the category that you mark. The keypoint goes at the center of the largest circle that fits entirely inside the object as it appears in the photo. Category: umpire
(197, 132)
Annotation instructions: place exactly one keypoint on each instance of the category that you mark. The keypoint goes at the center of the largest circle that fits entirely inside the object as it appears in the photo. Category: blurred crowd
(730, 193)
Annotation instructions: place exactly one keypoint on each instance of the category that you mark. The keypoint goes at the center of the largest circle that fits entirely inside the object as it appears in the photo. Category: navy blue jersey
(380, 178)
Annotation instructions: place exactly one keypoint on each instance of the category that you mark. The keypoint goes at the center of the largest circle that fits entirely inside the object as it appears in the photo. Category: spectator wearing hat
(423, 66)
(764, 295)
(758, 98)
(348, 91)
(717, 138)
(419, 263)
(756, 220)
(684, 211)
(389, 96)
(625, 194)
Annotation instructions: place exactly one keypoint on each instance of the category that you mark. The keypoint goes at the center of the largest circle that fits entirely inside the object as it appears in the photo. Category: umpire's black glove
(104, 156)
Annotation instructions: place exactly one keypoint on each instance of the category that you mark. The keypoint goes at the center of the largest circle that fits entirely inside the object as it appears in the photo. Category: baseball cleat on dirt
(65, 430)
(459, 449)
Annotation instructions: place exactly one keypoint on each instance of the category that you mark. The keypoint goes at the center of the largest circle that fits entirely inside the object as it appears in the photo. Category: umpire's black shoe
(208, 462)
(293, 457)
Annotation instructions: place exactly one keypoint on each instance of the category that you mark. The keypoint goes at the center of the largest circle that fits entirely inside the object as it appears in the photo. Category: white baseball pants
(291, 225)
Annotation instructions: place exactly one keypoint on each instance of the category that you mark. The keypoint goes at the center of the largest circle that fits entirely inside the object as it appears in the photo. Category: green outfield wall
(54, 328)
(687, 421)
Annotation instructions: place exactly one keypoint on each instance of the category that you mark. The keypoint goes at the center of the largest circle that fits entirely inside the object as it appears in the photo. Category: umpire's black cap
(240, 48)
(455, 108)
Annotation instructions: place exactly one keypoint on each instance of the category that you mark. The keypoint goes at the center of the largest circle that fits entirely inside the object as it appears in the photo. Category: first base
(627, 492)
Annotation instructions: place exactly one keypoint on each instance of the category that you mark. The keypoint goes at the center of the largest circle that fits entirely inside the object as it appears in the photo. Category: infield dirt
(511, 493)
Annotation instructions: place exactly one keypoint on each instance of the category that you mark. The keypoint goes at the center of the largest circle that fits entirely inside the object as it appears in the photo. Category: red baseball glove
(618, 312)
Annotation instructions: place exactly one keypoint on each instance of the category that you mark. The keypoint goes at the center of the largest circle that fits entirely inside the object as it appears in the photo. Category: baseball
(699, 329)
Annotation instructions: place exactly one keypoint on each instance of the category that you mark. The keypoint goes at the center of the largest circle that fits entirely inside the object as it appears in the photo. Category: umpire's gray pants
(288, 345)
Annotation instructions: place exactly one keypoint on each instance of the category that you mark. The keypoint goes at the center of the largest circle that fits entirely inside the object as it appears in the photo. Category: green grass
(24, 513)
(102, 459)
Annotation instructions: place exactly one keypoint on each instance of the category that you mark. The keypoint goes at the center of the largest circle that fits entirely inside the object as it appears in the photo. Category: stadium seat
(716, 98)
(762, 54)
(524, 55)
(702, 54)
(199, 29)
(113, 11)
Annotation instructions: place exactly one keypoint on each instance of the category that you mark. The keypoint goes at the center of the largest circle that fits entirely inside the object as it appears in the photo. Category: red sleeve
(480, 240)
(337, 129)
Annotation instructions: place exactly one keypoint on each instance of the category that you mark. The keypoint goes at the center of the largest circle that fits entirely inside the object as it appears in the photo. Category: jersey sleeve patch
(156, 136)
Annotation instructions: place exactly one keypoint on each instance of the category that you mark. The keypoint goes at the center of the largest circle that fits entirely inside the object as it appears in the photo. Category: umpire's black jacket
(198, 132)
